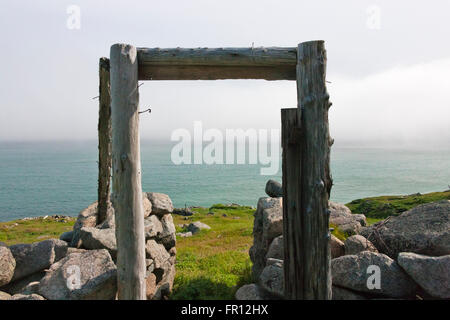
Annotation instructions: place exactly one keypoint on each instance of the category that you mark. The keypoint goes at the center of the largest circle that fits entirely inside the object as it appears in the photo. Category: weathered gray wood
(271, 56)
(104, 140)
(292, 219)
(126, 165)
(313, 99)
(309, 276)
(150, 72)
(217, 63)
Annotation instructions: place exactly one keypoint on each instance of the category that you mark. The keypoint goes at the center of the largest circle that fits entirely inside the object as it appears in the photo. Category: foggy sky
(387, 85)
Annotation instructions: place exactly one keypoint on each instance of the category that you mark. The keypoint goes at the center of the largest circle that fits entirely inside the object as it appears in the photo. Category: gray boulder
(7, 266)
(274, 189)
(152, 227)
(342, 217)
(31, 258)
(31, 288)
(249, 292)
(89, 275)
(276, 249)
(272, 222)
(261, 243)
(268, 202)
(86, 218)
(66, 236)
(148, 207)
(345, 294)
(272, 261)
(431, 273)
(353, 272)
(21, 285)
(161, 203)
(148, 262)
(150, 285)
(173, 255)
(195, 227)
(167, 236)
(185, 212)
(358, 243)
(424, 229)
(161, 229)
(21, 296)
(4, 296)
(157, 253)
(164, 285)
(184, 234)
(72, 250)
(337, 247)
(93, 238)
(272, 279)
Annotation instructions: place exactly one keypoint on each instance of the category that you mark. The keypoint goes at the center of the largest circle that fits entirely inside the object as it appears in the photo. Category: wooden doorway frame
(305, 141)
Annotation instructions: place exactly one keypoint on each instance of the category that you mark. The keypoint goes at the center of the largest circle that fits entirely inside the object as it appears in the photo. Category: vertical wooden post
(307, 180)
(126, 164)
(104, 140)
(292, 219)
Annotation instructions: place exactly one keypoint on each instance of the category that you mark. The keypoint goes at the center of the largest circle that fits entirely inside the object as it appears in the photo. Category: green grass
(377, 208)
(28, 231)
(338, 233)
(212, 264)
(371, 221)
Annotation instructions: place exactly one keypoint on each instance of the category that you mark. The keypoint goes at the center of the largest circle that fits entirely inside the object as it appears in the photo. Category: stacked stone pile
(410, 253)
(81, 264)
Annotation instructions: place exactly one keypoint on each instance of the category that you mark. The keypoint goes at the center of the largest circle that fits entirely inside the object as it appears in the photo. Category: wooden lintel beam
(273, 63)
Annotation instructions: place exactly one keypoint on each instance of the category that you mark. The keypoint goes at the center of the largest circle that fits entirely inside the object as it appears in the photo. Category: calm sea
(44, 178)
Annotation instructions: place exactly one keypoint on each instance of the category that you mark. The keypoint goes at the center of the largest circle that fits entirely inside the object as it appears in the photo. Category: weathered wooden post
(126, 165)
(307, 180)
(104, 140)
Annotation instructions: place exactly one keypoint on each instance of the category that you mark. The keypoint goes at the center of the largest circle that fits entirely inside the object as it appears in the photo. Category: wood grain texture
(150, 72)
(308, 242)
(126, 165)
(272, 63)
(292, 219)
(104, 140)
(271, 56)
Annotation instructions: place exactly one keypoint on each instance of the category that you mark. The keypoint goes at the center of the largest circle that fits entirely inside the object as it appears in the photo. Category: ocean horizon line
(393, 144)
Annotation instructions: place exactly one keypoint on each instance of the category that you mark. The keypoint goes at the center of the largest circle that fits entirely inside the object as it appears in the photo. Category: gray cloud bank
(387, 86)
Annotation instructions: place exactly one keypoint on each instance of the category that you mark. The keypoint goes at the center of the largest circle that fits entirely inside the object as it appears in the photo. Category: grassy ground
(210, 264)
(377, 208)
(28, 231)
(338, 233)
